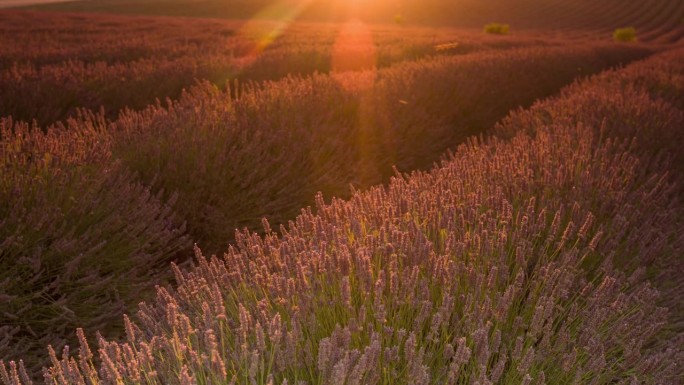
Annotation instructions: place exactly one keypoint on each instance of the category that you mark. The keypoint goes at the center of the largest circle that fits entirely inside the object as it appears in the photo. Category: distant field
(657, 20)
(112, 62)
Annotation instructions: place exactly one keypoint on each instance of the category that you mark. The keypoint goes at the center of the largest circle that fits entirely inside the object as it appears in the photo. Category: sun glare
(354, 50)
(268, 24)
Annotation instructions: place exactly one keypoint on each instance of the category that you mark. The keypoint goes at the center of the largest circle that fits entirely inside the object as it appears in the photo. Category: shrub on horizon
(627, 35)
(497, 29)
(398, 19)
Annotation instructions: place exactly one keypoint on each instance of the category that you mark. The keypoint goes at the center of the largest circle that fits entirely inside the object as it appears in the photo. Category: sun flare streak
(354, 50)
(270, 23)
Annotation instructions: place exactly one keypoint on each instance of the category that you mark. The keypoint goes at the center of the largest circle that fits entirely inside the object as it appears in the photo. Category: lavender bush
(517, 261)
(115, 61)
(644, 104)
(73, 198)
(269, 151)
(79, 238)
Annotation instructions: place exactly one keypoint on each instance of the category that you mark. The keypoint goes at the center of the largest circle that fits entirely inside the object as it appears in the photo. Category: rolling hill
(656, 20)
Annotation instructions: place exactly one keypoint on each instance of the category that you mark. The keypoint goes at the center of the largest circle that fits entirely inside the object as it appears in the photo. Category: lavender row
(118, 193)
(521, 260)
(115, 62)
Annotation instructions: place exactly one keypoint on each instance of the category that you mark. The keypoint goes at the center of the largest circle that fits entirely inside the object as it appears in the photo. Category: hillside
(656, 20)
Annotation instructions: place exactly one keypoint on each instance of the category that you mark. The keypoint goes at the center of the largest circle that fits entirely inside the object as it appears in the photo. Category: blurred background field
(115, 62)
(661, 18)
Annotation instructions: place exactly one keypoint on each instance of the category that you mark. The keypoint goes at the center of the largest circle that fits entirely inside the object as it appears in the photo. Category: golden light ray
(354, 50)
(375, 139)
(267, 25)
(354, 60)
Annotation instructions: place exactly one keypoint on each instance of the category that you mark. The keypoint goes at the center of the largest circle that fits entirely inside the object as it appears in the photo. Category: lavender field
(296, 198)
